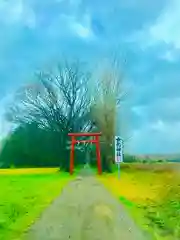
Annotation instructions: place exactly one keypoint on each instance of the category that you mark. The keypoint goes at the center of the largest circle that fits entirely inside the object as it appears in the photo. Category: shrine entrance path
(85, 211)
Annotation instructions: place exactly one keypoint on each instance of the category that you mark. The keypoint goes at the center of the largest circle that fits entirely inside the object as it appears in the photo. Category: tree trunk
(106, 158)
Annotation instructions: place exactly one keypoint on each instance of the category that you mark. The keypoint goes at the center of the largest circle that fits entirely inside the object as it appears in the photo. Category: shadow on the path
(86, 172)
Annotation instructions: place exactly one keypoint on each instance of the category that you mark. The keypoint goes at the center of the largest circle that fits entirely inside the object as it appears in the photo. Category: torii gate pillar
(95, 141)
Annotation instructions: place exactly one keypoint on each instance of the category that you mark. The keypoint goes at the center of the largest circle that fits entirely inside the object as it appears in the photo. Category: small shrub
(12, 166)
(129, 158)
(144, 161)
(125, 166)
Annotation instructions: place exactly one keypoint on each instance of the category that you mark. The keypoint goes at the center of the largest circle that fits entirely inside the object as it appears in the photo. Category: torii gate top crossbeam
(84, 134)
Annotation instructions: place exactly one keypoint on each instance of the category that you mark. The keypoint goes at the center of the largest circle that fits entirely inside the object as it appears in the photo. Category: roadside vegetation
(151, 193)
(24, 194)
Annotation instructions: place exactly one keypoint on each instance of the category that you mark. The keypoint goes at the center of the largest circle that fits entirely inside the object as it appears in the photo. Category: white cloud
(156, 137)
(16, 11)
(169, 55)
(158, 126)
(139, 110)
(81, 30)
(79, 25)
(5, 127)
(164, 30)
(75, 3)
(83, 27)
(165, 130)
(161, 108)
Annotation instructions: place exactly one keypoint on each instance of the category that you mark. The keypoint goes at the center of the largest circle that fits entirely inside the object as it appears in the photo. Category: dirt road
(85, 211)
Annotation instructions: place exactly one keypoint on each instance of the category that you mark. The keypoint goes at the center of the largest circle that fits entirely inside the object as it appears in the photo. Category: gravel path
(85, 211)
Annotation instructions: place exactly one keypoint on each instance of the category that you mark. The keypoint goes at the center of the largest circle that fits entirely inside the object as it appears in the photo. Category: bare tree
(57, 100)
(107, 96)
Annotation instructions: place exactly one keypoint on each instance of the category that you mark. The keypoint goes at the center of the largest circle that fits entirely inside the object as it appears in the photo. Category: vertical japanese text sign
(118, 149)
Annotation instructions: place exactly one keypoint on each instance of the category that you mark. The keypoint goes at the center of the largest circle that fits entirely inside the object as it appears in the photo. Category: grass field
(150, 192)
(151, 195)
(24, 194)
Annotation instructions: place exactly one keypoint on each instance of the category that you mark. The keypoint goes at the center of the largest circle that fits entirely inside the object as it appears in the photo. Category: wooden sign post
(118, 152)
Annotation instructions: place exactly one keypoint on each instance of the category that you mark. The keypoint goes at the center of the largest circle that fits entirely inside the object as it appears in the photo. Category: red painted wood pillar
(98, 154)
(73, 141)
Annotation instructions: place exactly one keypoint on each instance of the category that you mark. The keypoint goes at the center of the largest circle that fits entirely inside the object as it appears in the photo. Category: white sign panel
(118, 149)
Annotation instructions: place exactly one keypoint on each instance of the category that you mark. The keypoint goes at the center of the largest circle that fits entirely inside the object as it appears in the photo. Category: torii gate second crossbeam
(95, 141)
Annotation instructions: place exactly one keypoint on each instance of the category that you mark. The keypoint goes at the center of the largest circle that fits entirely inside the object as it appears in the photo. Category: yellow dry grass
(137, 186)
(21, 171)
(152, 197)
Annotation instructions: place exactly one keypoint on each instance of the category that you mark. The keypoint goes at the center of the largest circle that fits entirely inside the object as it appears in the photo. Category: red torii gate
(95, 141)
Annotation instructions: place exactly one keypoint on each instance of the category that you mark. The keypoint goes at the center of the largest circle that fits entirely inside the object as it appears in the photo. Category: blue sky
(35, 34)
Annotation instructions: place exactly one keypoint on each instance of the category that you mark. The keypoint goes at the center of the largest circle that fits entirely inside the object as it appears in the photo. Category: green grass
(23, 198)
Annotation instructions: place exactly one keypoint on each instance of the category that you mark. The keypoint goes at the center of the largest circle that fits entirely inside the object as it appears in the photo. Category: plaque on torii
(95, 141)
